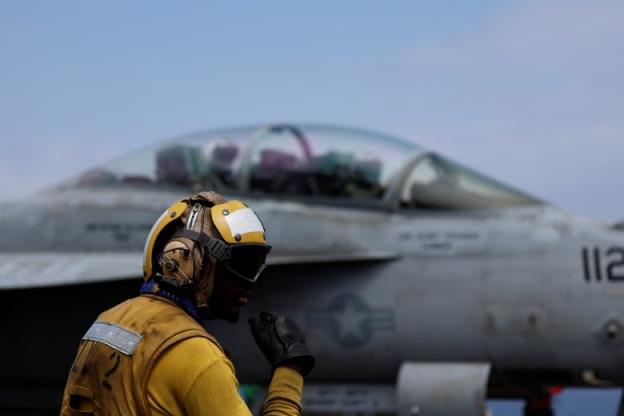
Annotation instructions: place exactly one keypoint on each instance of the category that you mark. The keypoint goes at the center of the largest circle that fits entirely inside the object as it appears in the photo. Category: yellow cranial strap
(171, 214)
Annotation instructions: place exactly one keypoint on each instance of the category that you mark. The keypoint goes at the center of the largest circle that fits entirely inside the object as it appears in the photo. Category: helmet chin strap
(198, 223)
(204, 285)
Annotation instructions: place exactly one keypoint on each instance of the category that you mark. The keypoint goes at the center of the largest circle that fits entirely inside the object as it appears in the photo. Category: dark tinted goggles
(247, 261)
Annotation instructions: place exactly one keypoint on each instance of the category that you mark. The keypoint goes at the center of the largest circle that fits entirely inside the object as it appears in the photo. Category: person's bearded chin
(227, 298)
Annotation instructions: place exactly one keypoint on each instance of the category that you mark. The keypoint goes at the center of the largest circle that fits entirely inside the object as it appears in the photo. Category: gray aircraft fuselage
(521, 288)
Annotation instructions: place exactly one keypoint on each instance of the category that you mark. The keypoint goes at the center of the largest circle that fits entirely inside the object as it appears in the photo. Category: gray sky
(529, 92)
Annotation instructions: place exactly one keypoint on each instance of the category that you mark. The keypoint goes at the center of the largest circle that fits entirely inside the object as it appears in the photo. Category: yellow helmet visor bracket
(241, 228)
(237, 224)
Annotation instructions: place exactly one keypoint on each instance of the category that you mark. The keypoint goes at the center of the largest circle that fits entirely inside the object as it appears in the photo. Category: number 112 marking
(593, 260)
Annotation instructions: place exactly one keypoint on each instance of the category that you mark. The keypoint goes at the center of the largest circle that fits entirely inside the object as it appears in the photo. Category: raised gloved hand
(281, 341)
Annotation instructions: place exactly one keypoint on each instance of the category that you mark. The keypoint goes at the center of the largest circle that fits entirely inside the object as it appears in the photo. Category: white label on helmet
(243, 221)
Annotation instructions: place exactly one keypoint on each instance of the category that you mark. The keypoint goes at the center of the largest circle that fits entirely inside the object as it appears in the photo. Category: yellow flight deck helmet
(194, 234)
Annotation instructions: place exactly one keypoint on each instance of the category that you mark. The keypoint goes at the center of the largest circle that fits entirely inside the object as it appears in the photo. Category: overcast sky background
(530, 92)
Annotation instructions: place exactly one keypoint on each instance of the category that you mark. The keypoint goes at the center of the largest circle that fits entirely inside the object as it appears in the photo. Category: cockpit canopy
(305, 161)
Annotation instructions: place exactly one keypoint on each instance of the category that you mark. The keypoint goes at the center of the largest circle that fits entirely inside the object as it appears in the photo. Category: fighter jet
(402, 266)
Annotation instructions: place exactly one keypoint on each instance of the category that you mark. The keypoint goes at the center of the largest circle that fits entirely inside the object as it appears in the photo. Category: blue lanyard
(173, 295)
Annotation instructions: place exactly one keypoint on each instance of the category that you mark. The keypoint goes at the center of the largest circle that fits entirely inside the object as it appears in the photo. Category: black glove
(281, 341)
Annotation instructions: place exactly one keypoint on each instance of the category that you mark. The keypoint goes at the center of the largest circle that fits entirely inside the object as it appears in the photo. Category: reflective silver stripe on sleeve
(114, 336)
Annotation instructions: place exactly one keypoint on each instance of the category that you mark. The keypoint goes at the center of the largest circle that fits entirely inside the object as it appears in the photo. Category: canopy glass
(306, 161)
